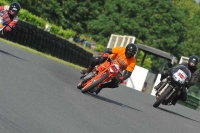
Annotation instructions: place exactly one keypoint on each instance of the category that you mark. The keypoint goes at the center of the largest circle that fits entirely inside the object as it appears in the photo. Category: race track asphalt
(39, 95)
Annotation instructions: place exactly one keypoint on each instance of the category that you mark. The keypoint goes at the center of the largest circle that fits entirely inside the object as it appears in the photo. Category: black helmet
(193, 59)
(15, 7)
(131, 50)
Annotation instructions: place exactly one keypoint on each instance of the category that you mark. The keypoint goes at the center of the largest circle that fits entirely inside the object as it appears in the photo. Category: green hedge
(192, 102)
(58, 30)
(25, 15)
(3, 2)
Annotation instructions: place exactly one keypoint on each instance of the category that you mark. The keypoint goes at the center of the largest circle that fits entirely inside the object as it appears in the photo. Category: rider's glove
(121, 79)
(105, 55)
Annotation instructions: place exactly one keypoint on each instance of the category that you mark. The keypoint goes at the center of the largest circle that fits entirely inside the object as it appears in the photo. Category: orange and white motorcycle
(100, 74)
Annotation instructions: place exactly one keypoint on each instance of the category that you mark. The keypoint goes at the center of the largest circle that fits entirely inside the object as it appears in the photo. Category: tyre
(94, 83)
(162, 97)
(79, 86)
(85, 78)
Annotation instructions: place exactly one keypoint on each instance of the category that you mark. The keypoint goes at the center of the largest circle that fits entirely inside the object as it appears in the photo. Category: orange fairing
(106, 55)
(103, 68)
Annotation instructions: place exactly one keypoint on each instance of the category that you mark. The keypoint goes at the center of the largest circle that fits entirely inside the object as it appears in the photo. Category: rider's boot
(98, 90)
(174, 101)
(105, 85)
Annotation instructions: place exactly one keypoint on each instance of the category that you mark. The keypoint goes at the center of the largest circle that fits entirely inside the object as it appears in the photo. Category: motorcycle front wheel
(162, 97)
(79, 86)
(85, 78)
(94, 83)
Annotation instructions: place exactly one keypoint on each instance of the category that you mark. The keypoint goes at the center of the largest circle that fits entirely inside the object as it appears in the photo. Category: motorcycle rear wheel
(162, 97)
(94, 83)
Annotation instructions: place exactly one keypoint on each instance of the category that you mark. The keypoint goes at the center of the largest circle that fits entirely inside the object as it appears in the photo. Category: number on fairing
(114, 68)
(180, 76)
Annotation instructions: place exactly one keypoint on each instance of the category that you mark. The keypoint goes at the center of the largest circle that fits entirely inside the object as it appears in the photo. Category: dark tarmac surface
(38, 95)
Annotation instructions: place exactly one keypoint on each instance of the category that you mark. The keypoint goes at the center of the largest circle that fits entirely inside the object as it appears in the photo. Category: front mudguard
(84, 79)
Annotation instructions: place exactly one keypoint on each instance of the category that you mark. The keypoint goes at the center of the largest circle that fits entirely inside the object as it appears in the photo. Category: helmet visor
(130, 54)
(192, 63)
(12, 11)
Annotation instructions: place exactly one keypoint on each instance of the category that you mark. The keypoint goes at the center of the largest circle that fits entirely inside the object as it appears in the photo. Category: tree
(191, 20)
(157, 23)
(49, 10)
